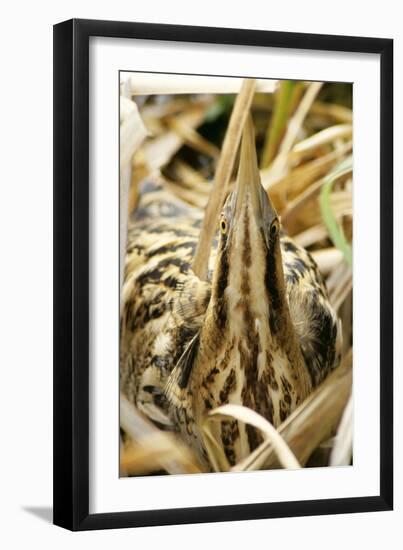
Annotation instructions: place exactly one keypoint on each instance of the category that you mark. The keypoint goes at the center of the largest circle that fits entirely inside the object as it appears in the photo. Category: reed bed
(185, 135)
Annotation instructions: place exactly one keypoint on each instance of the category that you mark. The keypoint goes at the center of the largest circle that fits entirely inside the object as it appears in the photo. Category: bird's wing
(162, 301)
(314, 319)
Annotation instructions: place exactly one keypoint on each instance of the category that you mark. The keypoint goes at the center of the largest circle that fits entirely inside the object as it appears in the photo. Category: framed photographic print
(223, 317)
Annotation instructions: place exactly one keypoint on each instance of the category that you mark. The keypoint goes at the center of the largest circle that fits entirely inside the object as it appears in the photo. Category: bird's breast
(246, 368)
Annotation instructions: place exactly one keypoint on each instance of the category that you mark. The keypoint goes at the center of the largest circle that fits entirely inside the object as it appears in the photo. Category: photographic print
(236, 293)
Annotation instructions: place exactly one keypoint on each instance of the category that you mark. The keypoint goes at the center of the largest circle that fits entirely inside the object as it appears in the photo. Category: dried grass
(248, 416)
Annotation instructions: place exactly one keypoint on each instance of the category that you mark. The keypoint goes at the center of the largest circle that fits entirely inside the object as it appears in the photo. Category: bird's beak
(249, 188)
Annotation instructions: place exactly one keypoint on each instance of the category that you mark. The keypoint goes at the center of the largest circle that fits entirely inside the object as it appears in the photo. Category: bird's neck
(249, 352)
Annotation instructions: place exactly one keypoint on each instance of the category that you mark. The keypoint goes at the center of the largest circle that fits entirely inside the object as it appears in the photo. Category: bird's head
(248, 274)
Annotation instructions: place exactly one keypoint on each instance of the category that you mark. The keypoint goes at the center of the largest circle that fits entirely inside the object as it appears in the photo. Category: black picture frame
(71, 273)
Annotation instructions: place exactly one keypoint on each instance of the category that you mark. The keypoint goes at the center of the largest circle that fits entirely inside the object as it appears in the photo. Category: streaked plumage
(260, 332)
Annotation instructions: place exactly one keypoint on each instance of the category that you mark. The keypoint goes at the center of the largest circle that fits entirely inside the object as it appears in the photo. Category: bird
(258, 332)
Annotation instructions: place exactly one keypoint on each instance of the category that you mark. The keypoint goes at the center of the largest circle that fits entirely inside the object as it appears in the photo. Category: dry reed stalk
(333, 111)
(149, 442)
(324, 137)
(343, 445)
(336, 277)
(188, 176)
(166, 84)
(327, 259)
(132, 134)
(248, 416)
(194, 139)
(222, 176)
(278, 167)
(215, 452)
(132, 131)
(159, 112)
(342, 290)
(154, 453)
(190, 196)
(310, 236)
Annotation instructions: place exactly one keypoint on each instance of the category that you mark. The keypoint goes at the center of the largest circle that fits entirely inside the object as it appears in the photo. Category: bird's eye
(223, 226)
(274, 228)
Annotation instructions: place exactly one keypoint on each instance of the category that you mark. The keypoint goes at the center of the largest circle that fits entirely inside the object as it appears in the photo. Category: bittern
(259, 332)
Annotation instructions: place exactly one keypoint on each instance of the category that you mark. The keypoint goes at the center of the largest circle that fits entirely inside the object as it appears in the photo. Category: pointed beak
(249, 189)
